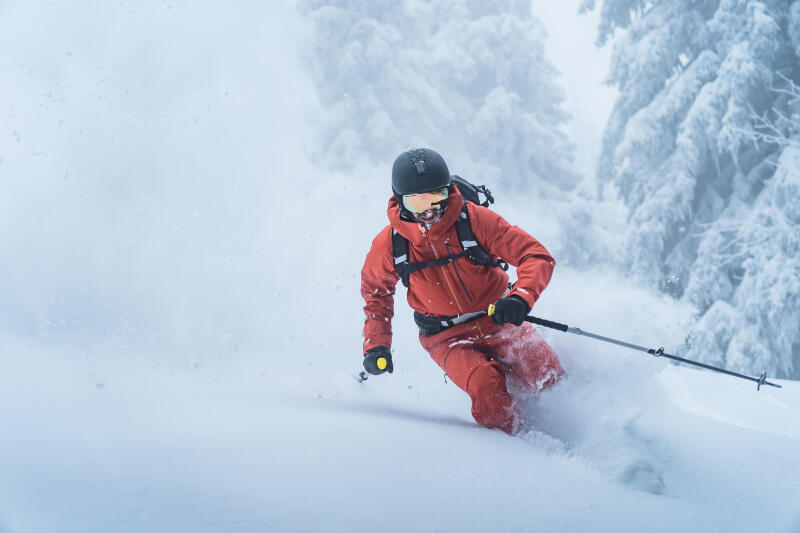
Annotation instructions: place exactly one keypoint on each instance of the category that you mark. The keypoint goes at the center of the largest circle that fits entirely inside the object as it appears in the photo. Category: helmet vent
(420, 166)
(417, 154)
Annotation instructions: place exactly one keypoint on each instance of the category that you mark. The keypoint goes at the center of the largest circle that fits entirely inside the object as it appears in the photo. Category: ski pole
(760, 380)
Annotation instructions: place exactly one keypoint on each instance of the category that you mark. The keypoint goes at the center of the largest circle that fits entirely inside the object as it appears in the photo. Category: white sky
(571, 49)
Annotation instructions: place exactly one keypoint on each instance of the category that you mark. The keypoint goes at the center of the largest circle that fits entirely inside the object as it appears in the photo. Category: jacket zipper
(446, 279)
(455, 268)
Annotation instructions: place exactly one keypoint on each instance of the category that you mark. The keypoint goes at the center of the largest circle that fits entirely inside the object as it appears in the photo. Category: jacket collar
(411, 230)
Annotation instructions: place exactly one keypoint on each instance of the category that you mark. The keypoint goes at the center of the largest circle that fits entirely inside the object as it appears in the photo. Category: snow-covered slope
(289, 440)
(292, 442)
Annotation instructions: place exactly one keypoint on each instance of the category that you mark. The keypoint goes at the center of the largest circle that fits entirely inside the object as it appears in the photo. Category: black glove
(512, 309)
(378, 360)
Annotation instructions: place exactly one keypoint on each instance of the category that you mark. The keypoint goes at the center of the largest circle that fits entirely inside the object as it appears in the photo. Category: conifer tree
(712, 191)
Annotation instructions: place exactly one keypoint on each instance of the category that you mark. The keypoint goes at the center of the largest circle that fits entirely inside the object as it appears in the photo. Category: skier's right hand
(378, 360)
(510, 310)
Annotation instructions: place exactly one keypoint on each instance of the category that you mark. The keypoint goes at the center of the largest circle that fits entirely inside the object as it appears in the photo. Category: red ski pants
(487, 360)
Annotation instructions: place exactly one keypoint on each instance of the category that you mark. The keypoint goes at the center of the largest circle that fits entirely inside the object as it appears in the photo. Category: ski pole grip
(538, 321)
(547, 323)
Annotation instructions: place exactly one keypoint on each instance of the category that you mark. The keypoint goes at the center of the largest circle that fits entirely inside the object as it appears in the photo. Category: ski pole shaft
(760, 380)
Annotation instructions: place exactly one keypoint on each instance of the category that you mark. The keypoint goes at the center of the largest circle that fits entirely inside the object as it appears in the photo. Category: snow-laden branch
(775, 126)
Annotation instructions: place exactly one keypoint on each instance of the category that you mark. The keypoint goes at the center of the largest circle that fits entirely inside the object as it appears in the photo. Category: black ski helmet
(419, 170)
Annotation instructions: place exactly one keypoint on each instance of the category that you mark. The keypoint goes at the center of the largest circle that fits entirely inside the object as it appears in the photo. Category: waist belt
(430, 325)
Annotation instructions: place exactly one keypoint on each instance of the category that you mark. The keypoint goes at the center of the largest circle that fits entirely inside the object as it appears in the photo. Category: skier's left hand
(378, 360)
(512, 309)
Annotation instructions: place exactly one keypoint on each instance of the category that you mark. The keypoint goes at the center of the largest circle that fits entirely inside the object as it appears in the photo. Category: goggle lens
(419, 203)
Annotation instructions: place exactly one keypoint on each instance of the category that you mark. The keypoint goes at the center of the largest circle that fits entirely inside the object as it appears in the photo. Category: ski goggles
(421, 202)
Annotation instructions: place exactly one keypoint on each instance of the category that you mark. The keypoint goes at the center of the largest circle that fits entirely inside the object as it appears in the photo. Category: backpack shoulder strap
(400, 253)
(469, 242)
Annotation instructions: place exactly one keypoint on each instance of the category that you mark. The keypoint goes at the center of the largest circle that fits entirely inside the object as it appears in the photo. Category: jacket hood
(411, 231)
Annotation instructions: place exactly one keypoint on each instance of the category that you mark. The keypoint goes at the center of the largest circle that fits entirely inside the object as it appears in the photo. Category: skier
(452, 269)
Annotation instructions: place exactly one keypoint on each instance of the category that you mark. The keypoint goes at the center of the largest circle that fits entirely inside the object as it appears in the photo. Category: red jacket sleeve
(378, 281)
(534, 263)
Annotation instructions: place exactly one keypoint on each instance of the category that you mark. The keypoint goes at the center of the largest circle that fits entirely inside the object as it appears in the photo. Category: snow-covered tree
(713, 193)
(469, 79)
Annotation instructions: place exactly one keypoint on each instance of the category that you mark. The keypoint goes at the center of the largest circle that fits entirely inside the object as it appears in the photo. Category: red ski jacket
(458, 287)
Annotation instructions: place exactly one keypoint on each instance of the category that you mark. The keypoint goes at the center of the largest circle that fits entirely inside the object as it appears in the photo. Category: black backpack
(469, 244)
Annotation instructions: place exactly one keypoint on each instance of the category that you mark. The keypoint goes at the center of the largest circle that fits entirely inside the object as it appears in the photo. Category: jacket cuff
(525, 294)
(378, 340)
